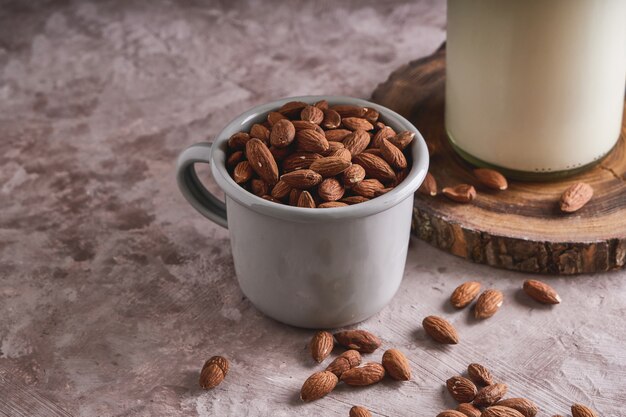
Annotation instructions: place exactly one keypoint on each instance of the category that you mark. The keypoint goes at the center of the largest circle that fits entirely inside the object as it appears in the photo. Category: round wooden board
(521, 228)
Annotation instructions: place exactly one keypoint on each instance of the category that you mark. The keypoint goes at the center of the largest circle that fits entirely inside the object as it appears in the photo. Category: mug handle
(192, 189)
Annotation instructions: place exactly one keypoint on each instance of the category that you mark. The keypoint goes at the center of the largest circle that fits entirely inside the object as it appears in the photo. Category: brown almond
(213, 372)
(311, 141)
(367, 188)
(342, 153)
(330, 189)
(479, 374)
(312, 114)
(321, 345)
(281, 190)
(348, 110)
(356, 142)
(468, 409)
(367, 374)
(360, 340)
(392, 155)
(402, 139)
(270, 198)
(260, 132)
(322, 104)
(464, 294)
(238, 141)
(318, 385)
(374, 151)
(450, 413)
(282, 134)
(302, 178)
(462, 193)
(488, 304)
(375, 167)
(292, 109)
(491, 178)
(356, 123)
(429, 186)
(501, 411)
(306, 200)
(371, 115)
(332, 148)
(234, 158)
(490, 395)
(332, 204)
(526, 407)
(305, 124)
(396, 365)
(273, 117)
(575, 197)
(353, 175)
(347, 360)
(440, 330)
(243, 172)
(541, 292)
(354, 199)
(299, 160)
(337, 135)
(579, 410)
(259, 187)
(330, 166)
(385, 132)
(280, 154)
(294, 196)
(462, 389)
(358, 411)
(332, 119)
(262, 161)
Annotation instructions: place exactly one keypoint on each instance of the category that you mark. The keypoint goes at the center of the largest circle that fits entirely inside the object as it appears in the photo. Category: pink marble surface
(113, 291)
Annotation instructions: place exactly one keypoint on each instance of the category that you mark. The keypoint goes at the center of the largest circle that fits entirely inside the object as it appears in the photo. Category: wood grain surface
(521, 228)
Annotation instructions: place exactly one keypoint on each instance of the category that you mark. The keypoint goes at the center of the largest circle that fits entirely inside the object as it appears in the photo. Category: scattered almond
(318, 385)
(488, 304)
(579, 410)
(479, 374)
(213, 372)
(500, 411)
(490, 395)
(321, 345)
(526, 407)
(367, 374)
(347, 360)
(541, 292)
(462, 193)
(360, 340)
(396, 365)
(358, 411)
(450, 413)
(429, 186)
(575, 197)
(462, 389)
(440, 330)
(464, 294)
(469, 410)
(491, 178)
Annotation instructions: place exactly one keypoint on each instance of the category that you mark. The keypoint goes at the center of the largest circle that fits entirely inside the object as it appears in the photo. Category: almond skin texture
(353, 175)
(526, 407)
(541, 292)
(332, 204)
(357, 142)
(450, 413)
(479, 374)
(292, 108)
(500, 411)
(396, 365)
(491, 179)
(402, 139)
(282, 134)
(238, 140)
(575, 197)
(354, 199)
(281, 190)
(234, 159)
(299, 160)
(462, 193)
(349, 110)
(579, 410)
(330, 166)
(462, 389)
(331, 120)
(384, 133)
(342, 153)
(260, 132)
(367, 188)
(262, 161)
(330, 190)
(213, 372)
(310, 140)
(440, 330)
(259, 187)
(464, 294)
(375, 167)
(306, 200)
(357, 123)
(321, 345)
(360, 340)
(312, 114)
(358, 411)
(347, 360)
(392, 155)
(273, 117)
(318, 385)
(302, 178)
(429, 186)
(243, 172)
(368, 374)
(469, 410)
(488, 304)
(305, 124)
(337, 135)
(490, 395)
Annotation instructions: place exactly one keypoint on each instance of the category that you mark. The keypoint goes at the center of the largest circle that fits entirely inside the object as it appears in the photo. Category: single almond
(318, 385)
(462, 389)
(356, 123)
(575, 197)
(501, 411)
(321, 345)
(385, 132)
(347, 360)
(462, 193)
(332, 148)
(490, 395)
(541, 292)
(354, 199)
(440, 330)
(353, 175)
(526, 407)
(468, 409)
(331, 120)
(396, 365)
(349, 110)
(312, 114)
(360, 340)
(310, 140)
(234, 158)
(367, 374)
(371, 115)
(260, 132)
(450, 413)
(332, 204)
(375, 167)
(280, 154)
(342, 153)
(262, 161)
(479, 374)
(337, 135)
(322, 104)
(243, 172)
(305, 124)
(358, 411)
(302, 178)
(330, 166)
(259, 187)
(330, 189)
(299, 160)
(292, 109)
(579, 410)
(491, 178)
(464, 294)
(374, 151)
(367, 188)
(282, 134)
(392, 155)
(281, 190)
(213, 372)
(357, 141)
(488, 304)
(402, 139)
(306, 200)
(429, 186)
(294, 197)
(273, 117)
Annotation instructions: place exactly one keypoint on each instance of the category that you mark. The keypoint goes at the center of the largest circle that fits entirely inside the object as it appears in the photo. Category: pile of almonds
(319, 155)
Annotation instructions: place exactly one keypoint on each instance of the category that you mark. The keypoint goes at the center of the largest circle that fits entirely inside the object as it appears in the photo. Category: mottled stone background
(113, 291)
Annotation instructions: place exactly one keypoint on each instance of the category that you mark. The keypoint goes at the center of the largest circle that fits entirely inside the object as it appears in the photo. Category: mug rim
(244, 121)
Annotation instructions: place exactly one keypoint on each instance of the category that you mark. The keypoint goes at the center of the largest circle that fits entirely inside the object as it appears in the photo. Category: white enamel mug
(309, 267)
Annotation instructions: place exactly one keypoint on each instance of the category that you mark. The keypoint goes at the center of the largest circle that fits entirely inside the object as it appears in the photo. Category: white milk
(535, 85)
